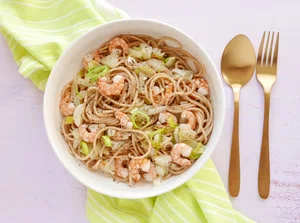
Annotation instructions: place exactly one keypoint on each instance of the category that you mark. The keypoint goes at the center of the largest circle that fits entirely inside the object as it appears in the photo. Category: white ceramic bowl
(70, 63)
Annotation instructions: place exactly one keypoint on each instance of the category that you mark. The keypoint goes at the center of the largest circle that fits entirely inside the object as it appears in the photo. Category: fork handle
(264, 163)
(234, 166)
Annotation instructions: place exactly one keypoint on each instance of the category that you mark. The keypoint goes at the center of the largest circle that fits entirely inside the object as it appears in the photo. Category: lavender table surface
(35, 187)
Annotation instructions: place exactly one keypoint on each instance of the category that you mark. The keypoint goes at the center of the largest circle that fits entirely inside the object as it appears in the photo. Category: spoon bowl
(237, 66)
(238, 61)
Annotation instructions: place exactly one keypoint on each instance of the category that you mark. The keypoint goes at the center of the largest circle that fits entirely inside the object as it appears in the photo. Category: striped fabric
(203, 199)
(37, 32)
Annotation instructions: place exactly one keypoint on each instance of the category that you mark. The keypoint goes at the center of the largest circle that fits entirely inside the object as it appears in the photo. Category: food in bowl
(139, 109)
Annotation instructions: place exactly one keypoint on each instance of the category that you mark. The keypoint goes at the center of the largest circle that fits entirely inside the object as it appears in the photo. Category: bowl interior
(71, 62)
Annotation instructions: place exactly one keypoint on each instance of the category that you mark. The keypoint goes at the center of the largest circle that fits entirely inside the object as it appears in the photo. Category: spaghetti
(140, 109)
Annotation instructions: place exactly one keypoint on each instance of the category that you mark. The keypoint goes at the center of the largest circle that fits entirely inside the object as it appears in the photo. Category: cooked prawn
(151, 175)
(202, 86)
(113, 89)
(136, 165)
(118, 43)
(181, 149)
(85, 135)
(189, 118)
(164, 117)
(66, 107)
(120, 168)
(124, 120)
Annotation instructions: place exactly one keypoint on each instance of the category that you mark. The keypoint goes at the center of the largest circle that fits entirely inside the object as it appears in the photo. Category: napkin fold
(37, 32)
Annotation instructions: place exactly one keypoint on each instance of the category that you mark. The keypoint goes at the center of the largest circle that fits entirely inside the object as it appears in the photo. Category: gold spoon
(237, 66)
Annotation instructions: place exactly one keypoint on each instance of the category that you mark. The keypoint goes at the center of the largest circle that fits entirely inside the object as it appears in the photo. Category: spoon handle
(234, 166)
(264, 162)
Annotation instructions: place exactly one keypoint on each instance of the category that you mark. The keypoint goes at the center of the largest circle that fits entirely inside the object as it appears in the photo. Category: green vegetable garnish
(158, 54)
(146, 51)
(171, 126)
(84, 148)
(92, 64)
(80, 95)
(184, 133)
(170, 61)
(191, 142)
(197, 152)
(156, 138)
(135, 52)
(171, 123)
(69, 120)
(145, 70)
(94, 73)
(107, 141)
(182, 73)
(139, 119)
(81, 72)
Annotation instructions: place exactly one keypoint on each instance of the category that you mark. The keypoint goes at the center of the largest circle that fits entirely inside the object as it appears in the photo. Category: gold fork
(266, 70)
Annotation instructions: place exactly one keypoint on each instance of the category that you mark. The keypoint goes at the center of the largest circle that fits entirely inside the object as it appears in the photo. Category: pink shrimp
(120, 168)
(189, 118)
(181, 149)
(136, 165)
(66, 107)
(202, 86)
(113, 89)
(85, 135)
(151, 175)
(124, 120)
(118, 43)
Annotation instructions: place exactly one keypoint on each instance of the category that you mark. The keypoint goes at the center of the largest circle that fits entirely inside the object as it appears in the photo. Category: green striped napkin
(37, 32)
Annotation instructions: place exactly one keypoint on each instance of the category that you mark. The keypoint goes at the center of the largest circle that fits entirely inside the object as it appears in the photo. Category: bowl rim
(185, 177)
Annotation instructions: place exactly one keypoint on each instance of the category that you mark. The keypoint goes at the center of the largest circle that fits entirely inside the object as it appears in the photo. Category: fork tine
(266, 50)
(271, 49)
(261, 49)
(275, 57)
